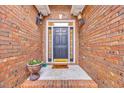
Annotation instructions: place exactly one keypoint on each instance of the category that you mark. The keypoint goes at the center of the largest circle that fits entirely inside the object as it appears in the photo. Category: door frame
(60, 21)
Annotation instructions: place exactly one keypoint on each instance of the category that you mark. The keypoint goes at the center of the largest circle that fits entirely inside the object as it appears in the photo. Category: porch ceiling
(76, 9)
(44, 9)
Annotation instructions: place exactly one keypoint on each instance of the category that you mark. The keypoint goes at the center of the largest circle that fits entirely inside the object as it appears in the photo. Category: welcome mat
(61, 66)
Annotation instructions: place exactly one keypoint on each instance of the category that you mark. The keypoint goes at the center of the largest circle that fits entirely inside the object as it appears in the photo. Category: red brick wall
(55, 11)
(102, 44)
(20, 41)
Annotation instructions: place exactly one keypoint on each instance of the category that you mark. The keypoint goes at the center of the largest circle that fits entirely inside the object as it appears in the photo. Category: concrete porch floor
(74, 76)
(74, 72)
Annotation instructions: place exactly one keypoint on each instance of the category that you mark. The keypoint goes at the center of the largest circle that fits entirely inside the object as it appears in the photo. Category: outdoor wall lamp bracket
(81, 20)
(39, 18)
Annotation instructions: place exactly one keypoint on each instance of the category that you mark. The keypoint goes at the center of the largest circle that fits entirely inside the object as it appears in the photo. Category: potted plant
(34, 67)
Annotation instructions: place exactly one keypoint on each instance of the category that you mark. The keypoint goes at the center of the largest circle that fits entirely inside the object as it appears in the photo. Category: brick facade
(20, 41)
(99, 42)
(102, 44)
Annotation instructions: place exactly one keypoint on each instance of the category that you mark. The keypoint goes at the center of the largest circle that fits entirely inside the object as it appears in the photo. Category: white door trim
(52, 39)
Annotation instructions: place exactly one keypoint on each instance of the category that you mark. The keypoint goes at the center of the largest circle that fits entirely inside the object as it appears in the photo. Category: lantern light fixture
(39, 18)
(80, 19)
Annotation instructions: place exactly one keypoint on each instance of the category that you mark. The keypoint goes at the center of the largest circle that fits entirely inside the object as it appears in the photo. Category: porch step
(59, 84)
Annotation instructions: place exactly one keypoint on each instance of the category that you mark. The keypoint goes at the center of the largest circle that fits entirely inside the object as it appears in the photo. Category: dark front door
(60, 42)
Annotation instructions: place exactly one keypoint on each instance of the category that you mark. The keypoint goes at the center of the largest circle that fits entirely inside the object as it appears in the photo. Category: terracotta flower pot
(34, 69)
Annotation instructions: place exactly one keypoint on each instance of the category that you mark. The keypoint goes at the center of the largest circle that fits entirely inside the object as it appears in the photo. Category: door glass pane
(71, 43)
(49, 44)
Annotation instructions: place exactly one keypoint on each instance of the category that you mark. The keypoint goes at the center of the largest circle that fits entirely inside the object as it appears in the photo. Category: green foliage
(34, 62)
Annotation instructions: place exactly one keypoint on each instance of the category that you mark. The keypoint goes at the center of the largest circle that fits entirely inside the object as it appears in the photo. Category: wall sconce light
(39, 18)
(60, 16)
(80, 19)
